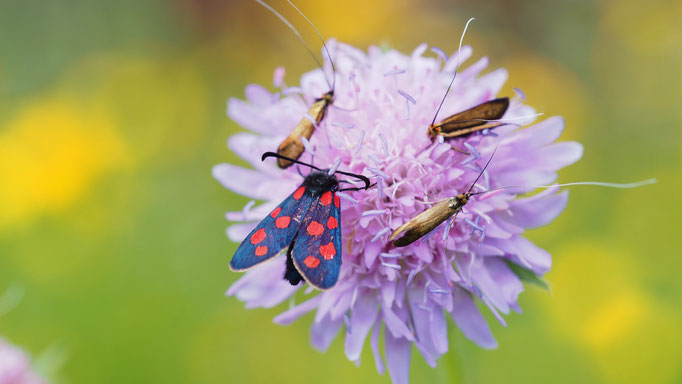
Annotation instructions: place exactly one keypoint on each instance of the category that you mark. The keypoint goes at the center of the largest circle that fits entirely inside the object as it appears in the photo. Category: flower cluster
(15, 366)
(377, 126)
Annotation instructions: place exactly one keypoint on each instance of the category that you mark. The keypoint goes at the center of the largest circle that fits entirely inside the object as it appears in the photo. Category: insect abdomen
(292, 146)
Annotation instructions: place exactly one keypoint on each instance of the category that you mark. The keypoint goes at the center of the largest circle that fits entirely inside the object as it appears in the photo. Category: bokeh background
(113, 113)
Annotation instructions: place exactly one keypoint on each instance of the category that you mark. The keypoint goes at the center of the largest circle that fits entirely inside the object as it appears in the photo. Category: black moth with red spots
(307, 225)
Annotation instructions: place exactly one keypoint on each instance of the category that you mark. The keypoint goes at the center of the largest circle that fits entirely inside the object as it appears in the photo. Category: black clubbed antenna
(362, 178)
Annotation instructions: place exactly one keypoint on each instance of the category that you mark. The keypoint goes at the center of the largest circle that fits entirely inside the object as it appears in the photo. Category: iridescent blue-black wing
(274, 233)
(317, 250)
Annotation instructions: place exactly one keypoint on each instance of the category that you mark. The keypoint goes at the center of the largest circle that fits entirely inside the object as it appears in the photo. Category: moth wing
(274, 233)
(475, 116)
(317, 251)
(466, 131)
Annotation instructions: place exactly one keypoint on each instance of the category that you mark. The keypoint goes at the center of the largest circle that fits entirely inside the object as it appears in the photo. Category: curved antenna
(277, 155)
(484, 168)
(323, 44)
(596, 183)
(459, 51)
(362, 178)
(298, 35)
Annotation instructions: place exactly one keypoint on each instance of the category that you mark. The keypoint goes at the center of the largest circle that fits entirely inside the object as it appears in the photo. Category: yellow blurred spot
(614, 321)
(550, 88)
(51, 152)
(649, 27)
(602, 306)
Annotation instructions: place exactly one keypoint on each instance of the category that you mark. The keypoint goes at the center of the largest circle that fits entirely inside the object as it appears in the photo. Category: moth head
(434, 131)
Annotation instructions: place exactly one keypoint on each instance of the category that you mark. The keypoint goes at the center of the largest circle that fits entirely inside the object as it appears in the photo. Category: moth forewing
(292, 146)
(466, 131)
(471, 120)
(424, 223)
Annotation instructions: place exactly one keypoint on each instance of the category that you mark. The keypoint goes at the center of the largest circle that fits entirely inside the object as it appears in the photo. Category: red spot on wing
(261, 250)
(315, 228)
(326, 199)
(311, 262)
(336, 201)
(328, 251)
(332, 223)
(299, 193)
(276, 212)
(282, 222)
(258, 236)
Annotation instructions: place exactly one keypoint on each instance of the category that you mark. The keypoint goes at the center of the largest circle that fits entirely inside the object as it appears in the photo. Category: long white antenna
(298, 35)
(323, 44)
(459, 54)
(597, 183)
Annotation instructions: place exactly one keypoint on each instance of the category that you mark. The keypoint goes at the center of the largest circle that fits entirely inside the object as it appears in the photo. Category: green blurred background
(113, 113)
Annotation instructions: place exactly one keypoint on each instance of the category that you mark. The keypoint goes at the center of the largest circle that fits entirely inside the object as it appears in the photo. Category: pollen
(311, 262)
(315, 228)
(258, 236)
(282, 222)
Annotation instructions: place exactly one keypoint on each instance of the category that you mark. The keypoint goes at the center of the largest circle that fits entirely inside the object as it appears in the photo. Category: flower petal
(439, 331)
(238, 232)
(374, 344)
(525, 253)
(247, 182)
(559, 155)
(363, 315)
(538, 210)
(322, 333)
(293, 313)
(397, 351)
(466, 315)
(542, 133)
(263, 286)
(395, 325)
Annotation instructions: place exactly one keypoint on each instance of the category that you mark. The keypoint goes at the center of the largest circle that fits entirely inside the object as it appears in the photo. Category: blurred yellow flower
(540, 78)
(601, 305)
(51, 152)
(618, 316)
(648, 27)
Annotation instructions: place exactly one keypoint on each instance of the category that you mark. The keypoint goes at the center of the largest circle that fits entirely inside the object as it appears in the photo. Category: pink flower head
(377, 127)
(15, 366)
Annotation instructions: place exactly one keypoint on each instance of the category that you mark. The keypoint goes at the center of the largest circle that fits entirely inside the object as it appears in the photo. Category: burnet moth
(478, 118)
(293, 147)
(307, 225)
(442, 210)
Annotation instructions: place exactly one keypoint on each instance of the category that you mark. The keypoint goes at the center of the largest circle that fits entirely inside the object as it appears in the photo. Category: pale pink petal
(363, 315)
(538, 210)
(470, 321)
(374, 344)
(322, 333)
(398, 353)
(297, 311)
